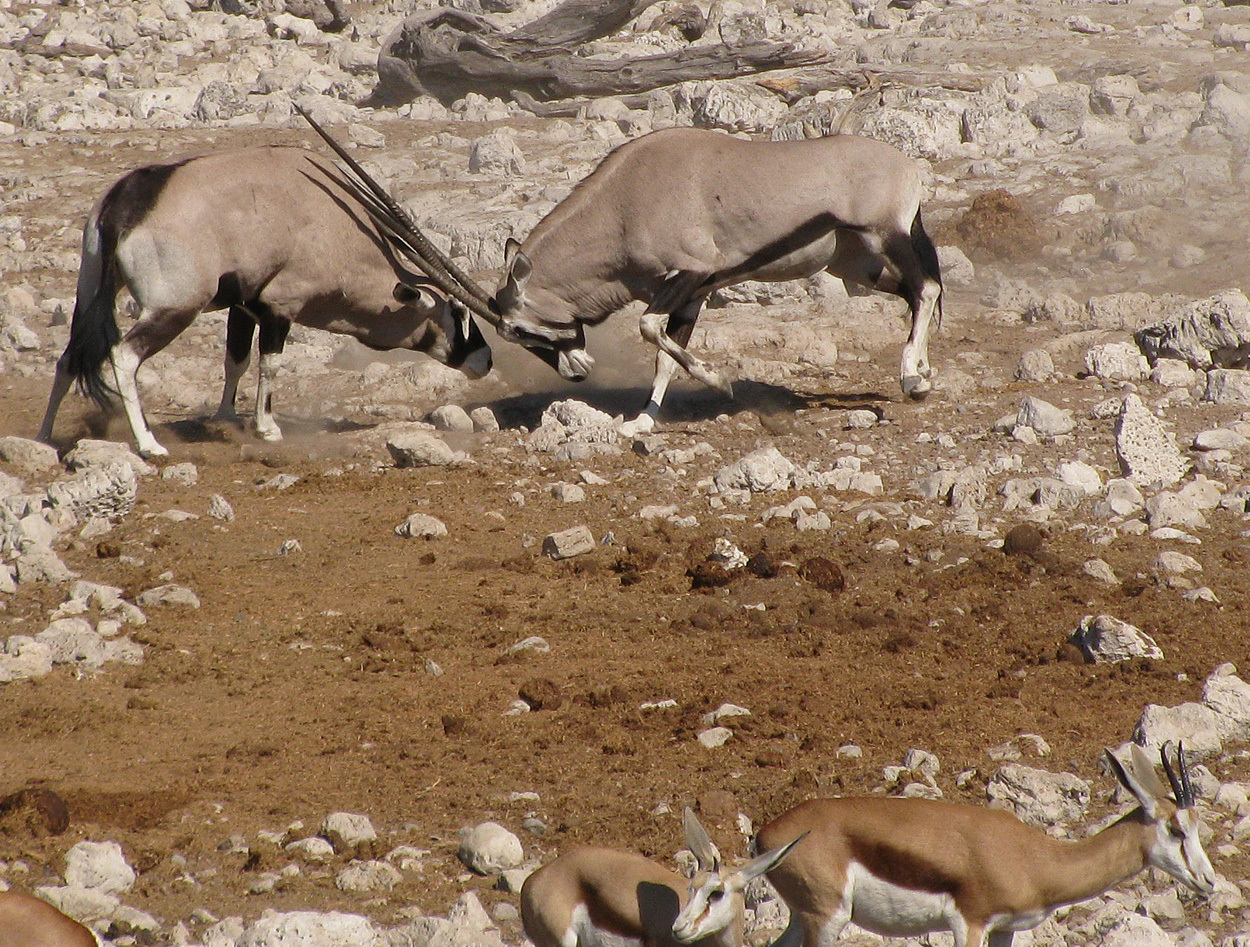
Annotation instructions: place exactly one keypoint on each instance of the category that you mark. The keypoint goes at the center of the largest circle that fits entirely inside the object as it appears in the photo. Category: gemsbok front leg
(240, 330)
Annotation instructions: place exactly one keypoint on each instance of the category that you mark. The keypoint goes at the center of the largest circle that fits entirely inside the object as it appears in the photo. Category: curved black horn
(386, 213)
(1181, 786)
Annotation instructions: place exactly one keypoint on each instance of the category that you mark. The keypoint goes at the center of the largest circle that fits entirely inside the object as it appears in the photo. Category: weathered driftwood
(447, 53)
(796, 87)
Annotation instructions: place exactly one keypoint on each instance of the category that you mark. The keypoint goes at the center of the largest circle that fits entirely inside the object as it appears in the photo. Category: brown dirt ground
(299, 687)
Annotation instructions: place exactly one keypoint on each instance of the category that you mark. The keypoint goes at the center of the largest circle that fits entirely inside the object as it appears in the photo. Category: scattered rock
(568, 543)
(489, 848)
(1104, 638)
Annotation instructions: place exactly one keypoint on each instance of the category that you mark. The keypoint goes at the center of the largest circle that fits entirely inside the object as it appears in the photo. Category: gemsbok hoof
(916, 387)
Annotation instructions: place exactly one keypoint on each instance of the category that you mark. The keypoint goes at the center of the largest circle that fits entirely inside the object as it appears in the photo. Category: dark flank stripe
(809, 232)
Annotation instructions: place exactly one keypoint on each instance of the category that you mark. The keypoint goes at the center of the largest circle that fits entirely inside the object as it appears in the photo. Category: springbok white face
(1175, 847)
(717, 898)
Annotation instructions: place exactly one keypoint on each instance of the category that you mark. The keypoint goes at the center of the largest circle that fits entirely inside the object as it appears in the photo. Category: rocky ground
(214, 659)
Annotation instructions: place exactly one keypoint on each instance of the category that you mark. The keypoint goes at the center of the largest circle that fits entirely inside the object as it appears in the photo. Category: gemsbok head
(275, 235)
(591, 896)
(672, 216)
(905, 867)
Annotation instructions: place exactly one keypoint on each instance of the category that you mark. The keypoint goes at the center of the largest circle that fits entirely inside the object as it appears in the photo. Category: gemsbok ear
(769, 860)
(418, 297)
(699, 842)
(1127, 776)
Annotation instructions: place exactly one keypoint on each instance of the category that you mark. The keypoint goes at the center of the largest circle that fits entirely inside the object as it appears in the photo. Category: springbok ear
(699, 842)
(768, 861)
(1128, 778)
(1146, 773)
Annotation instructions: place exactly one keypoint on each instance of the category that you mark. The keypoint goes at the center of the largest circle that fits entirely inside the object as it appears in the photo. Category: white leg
(60, 387)
(266, 427)
(914, 371)
(652, 324)
(125, 364)
(665, 365)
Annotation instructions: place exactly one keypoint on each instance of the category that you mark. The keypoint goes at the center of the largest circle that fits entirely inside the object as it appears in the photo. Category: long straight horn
(1182, 788)
(387, 213)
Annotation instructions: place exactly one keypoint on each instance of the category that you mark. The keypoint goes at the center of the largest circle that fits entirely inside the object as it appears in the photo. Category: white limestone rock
(451, 417)
(92, 453)
(416, 448)
(1196, 725)
(1117, 361)
(1146, 450)
(761, 471)
(1037, 797)
(489, 848)
(1229, 696)
(1035, 365)
(347, 830)
(1210, 333)
(421, 526)
(1105, 639)
(1168, 509)
(310, 929)
(100, 866)
(1228, 386)
(569, 543)
(366, 876)
(1043, 417)
(1134, 930)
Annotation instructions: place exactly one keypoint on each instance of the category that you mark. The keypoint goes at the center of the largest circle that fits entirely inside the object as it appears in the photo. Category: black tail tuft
(92, 336)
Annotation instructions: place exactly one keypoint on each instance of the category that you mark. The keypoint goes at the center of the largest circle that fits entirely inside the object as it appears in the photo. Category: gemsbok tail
(928, 255)
(94, 332)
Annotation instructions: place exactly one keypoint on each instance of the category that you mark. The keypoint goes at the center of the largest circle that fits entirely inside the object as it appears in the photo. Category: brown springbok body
(904, 867)
(674, 215)
(27, 921)
(271, 233)
(593, 896)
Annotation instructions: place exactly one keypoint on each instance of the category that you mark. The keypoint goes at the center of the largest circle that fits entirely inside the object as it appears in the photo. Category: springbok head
(1172, 843)
(717, 897)
(561, 345)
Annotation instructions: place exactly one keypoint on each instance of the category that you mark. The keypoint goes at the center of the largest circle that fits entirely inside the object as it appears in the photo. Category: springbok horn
(1180, 789)
(387, 213)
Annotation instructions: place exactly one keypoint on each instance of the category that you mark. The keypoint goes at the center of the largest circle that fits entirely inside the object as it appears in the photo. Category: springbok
(592, 896)
(278, 235)
(27, 921)
(904, 867)
(674, 215)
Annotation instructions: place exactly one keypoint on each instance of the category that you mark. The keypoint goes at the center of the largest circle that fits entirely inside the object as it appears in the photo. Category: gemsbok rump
(277, 235)
(591, 896)
(674, 215)
(27, 921)
(904, 867)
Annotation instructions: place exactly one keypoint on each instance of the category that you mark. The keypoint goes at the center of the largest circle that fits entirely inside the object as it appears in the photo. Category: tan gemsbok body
(593, 896)
(905, 867)
(274, 234)
(27, 921)
(674, 215)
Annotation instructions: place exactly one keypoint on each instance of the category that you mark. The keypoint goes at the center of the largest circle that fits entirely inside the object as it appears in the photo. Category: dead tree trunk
(447, 53)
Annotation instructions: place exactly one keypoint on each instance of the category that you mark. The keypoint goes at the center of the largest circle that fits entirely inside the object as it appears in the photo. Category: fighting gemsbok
(278, 236)
(593, 896)
(905, 867)
(27, 921)
(674, 215)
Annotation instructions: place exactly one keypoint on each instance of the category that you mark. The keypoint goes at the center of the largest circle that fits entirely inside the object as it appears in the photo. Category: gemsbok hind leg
(240, 330)
(154, 330)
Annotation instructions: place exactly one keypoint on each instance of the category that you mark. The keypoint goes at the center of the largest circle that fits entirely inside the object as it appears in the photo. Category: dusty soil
(300, 687)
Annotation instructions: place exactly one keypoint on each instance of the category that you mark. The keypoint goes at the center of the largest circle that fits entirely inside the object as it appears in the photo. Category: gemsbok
(278, 236)
(589, 896)
(27, 921)
(674, 215)
(905, 867)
